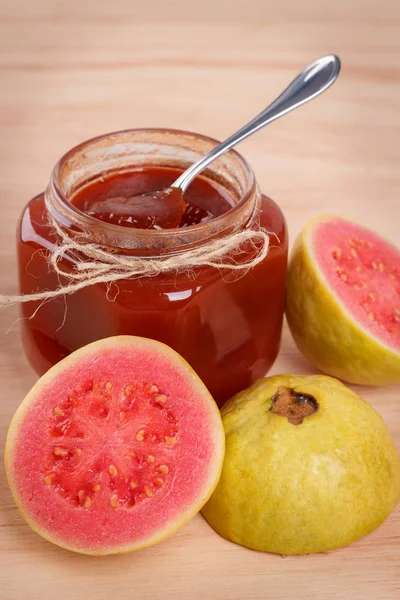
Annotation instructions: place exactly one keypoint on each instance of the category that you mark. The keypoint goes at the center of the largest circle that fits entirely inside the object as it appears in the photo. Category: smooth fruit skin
(29, 401)
(313, 487)
(324, 331)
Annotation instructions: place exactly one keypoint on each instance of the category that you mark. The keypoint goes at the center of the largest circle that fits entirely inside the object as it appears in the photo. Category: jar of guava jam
(226, 324)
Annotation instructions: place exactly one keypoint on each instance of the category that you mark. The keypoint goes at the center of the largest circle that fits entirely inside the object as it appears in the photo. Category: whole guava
(309, 467)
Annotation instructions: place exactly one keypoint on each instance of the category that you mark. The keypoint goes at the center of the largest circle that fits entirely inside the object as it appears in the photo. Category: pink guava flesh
(115, 447)
(363, 270)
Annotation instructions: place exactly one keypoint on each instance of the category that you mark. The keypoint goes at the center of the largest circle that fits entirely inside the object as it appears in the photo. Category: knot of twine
(94, 265)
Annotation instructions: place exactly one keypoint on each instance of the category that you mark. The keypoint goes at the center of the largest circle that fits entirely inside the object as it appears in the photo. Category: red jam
(204, 198)
(227, 325)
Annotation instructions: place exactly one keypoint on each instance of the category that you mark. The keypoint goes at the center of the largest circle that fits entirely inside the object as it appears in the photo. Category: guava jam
(226, 324)
(106, 199)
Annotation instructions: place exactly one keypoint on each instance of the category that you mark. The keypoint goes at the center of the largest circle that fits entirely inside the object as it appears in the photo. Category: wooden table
(71, 70)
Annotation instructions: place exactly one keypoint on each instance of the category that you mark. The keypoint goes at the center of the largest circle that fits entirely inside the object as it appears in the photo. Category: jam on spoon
(119, 198)
(147, 211)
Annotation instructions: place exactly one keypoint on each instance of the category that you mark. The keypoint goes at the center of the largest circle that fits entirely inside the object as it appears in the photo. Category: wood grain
(71, 70)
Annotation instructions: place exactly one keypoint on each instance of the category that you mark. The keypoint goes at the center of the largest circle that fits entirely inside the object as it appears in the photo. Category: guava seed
(161, 398)
(88, 502)
(112, 469)
(140, 435)
(148, 491)
(58, 412)
(114, 500)
(49, 479)
(60, 451)
(164, 469)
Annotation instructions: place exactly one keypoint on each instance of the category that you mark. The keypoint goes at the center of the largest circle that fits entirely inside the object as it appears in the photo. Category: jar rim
(68, 214)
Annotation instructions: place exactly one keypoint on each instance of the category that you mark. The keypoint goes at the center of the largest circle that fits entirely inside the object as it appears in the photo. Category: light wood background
(73, 69)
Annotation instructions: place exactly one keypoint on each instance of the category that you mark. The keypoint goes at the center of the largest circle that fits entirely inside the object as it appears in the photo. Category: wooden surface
(71, 70)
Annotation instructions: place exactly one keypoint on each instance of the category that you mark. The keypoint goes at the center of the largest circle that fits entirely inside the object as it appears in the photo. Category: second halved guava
(309, 467)
(343, 301)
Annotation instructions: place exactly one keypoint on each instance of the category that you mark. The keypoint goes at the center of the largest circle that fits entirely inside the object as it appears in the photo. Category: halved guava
(343, 301)
(115, 447)
(309, 467)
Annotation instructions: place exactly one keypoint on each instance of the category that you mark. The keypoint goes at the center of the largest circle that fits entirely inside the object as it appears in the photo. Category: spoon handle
(309, 83)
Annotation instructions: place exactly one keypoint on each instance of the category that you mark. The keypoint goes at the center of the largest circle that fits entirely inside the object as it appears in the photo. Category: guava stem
(293, 405)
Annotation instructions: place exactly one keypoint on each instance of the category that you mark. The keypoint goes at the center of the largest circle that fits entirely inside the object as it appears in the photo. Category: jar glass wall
(226, 324)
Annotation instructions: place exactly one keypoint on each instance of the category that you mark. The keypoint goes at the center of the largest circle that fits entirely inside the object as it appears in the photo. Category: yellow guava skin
(324, 331)
(299, 489)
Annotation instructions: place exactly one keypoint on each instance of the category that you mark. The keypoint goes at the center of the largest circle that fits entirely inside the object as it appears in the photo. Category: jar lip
(84, 220)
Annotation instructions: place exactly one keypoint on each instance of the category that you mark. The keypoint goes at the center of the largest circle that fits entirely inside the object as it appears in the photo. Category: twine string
(93, 264)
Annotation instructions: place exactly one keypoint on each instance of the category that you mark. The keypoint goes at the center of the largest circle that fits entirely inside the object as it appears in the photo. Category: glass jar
(226, 324)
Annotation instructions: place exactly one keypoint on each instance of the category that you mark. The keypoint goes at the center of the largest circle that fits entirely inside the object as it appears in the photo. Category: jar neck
(150, 147)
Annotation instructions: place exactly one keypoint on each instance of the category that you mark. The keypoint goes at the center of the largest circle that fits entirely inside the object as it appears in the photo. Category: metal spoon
(311, 81)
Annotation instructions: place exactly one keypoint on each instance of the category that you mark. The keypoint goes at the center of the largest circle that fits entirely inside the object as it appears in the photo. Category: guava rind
(324, 331)
(212, 428)
(299, 489)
